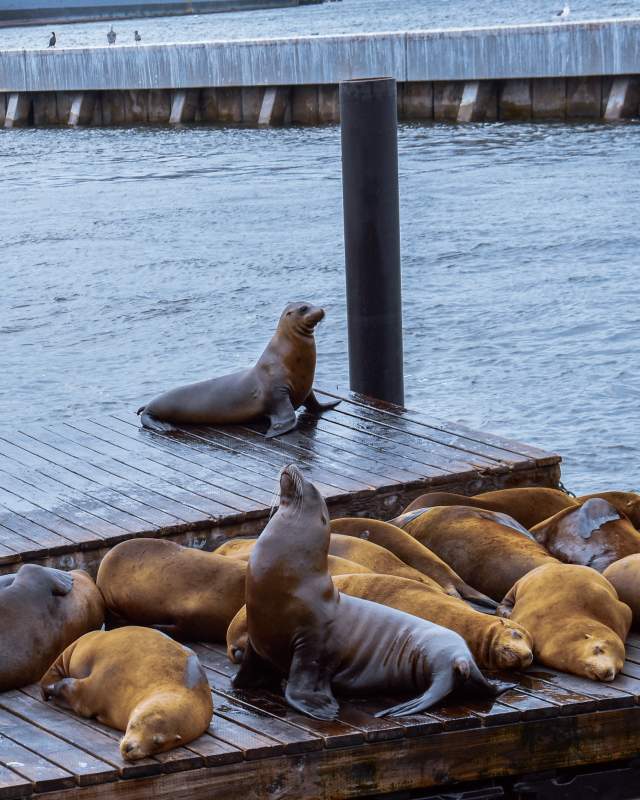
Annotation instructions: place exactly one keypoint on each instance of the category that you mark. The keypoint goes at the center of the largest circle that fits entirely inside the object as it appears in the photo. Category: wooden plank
(44, 775)
(253, 745)
(608, 695)
(529, 706)
(13, 786)
(565, 701)
(14, 528)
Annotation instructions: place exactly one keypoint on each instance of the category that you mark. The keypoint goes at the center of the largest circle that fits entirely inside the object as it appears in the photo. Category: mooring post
(369, 119)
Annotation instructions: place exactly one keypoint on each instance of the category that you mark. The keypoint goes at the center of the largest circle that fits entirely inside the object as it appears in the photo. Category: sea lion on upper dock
(627, 503)
(42, 610)
(280, 382)
(577, 623)
(527, 505)
(594, 534)
(300, 626)
(135, 680)
(489, 550)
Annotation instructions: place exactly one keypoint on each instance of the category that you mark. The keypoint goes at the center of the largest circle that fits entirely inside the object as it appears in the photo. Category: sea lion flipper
(477, 600)
(309, 684)
(61, 582)
(315, 406)
(282, 417)
(442, 686)
(153, 424)
(505, 609)
(254, 672)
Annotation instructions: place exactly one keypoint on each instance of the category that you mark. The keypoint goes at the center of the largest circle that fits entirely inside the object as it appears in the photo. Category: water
(137, 259)
(347, 16)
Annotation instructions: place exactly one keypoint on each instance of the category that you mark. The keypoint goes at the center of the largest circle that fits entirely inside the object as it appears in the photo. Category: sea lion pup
(624, 576)
(280, 382)
(413, 553)
(135, 680)
(627, 503)
(300, 626)
(528, 505)
(42, 610)
(495, 643)
(577, 623)
(487, 549)
(358, 551)
(593, 534)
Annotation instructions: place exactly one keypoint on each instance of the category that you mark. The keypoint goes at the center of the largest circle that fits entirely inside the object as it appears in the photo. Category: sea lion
(42, 610)
(358, 551)
(495, 643)
(413, 553)
(135, 680)
(279, 383)
(528, 505)
(487, 549)
(593, 534)
(577, 623)
(300, 626)
(624, 576)
(627, 503)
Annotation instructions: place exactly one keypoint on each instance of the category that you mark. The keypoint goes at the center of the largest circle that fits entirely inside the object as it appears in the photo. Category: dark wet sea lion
(413, 553)
(280, 382)
(135, 680)
(577, 623)
(42, 610)
(489, 550)
(495, 643)
(593, 534)
(528, 505)
(300, 626)
(624, 576)
(627, 503)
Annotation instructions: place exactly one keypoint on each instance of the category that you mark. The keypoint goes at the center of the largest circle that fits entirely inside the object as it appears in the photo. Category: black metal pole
(369, 120)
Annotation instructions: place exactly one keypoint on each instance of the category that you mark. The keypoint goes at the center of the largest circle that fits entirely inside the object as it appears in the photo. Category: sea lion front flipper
(254, 672)
(477, 600)
(309, 684)
(61, 582)
(282, 417)
(153, 424)
(315, 406)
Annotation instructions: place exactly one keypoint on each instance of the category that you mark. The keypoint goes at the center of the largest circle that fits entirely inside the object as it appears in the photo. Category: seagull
(137, 37)
(111, 36)
(564, 14)
(52, 40)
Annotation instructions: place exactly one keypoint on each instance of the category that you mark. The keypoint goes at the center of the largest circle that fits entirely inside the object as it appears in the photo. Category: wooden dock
(70, 491)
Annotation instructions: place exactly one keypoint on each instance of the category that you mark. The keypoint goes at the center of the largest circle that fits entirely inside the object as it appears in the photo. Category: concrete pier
(581, 70)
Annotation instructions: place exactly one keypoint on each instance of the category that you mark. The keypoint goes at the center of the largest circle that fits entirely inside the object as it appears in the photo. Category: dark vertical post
(369, 120)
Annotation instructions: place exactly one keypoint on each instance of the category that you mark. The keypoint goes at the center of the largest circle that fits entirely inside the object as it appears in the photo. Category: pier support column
(274, 105)
(417, 100)
(304, 105)
(328, 104)
(446, 100)
(209, 105)
(45, 109)
(478, 102)
(584, 98)
(76, 110)
(177, 107)
(251, 104)
(623, 99)
(3, 108)
(159, 107)
(515, 100)
(18, 109)
(549, 98)
(229, 104)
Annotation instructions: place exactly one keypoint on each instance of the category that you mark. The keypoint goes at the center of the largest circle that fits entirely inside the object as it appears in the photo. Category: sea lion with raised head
(594, 534)
(135, 680)
(527, 505)
(280, 382)
(495, 643)
(624, 576)
(413, 553)
(577, 622)
(627, 503)
(42, 610)
(300, 626)
(489, 550)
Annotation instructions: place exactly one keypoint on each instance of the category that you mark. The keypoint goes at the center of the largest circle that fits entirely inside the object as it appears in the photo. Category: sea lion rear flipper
(254, 672)
(442, 686)
(309, 684)
(282, 417)
(315, 406)
(476, 599)
(154, 424)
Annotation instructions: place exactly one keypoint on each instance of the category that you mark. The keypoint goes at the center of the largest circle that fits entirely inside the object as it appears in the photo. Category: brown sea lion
(528, 505)
(577, 623)
(135, 680)
(280, 382)
(593, 534)
(495, 643)
(42, 610)
(627, 503)
(358, 551)
(489, 550)
(413, 553)
(300, 626)
(624, 576)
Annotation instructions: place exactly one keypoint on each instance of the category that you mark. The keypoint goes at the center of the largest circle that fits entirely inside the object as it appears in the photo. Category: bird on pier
(111, 36)
(564, 14)
(137, 37)
(52, 40)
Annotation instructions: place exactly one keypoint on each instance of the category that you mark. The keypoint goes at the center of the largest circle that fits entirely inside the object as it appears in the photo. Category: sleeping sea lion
(577, 623)
(42, 610)
(495, 643)
(624, 576)
(489, 550)
(593, 534)
(300, 626)
(413, 553)
(627, 503)
(280, 382)
(135, 680)
(528, 505)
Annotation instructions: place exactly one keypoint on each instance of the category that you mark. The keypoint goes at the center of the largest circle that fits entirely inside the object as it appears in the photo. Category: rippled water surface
(133, 260)
(344, 17)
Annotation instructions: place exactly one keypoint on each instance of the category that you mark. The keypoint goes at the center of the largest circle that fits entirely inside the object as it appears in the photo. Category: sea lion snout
(303, 316)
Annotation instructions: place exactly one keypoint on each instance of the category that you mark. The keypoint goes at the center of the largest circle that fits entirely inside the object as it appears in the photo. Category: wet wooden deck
(256, 747)
(71, 490)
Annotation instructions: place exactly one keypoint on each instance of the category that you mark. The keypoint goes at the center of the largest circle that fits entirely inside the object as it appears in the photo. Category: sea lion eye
(304, 309)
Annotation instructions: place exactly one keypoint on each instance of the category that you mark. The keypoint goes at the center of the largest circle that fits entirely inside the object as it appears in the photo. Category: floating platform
(72, 490)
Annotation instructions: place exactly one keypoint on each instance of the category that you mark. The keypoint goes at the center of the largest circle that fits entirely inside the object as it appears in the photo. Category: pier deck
(70, 491)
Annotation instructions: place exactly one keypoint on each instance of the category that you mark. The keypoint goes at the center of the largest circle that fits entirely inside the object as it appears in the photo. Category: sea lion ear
(177, 738)
(588, 636)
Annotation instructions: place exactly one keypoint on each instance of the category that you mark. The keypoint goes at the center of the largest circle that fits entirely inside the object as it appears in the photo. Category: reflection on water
(137, 259)
(348, 16)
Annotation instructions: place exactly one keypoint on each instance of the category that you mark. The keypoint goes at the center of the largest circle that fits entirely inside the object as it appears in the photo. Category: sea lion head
(151, 729)
(298, 495)
(511, 646)
(301, 318)
(600, 654)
